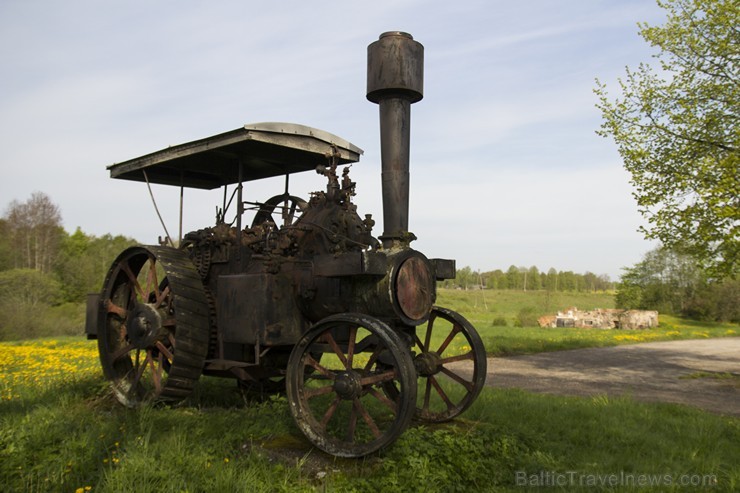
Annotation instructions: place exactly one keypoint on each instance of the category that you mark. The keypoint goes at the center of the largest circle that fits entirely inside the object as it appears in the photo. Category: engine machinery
(303, 299)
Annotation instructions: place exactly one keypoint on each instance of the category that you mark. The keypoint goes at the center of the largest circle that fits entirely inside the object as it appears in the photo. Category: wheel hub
(144, 325)
(347, 385)
(427, 364)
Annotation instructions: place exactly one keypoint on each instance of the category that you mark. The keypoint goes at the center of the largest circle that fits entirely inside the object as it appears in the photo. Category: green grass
(62, 431)
(482, 307)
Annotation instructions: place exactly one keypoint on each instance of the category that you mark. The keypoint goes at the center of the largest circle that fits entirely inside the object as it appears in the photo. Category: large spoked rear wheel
(338, 403)
(152, 326)
(441, 346)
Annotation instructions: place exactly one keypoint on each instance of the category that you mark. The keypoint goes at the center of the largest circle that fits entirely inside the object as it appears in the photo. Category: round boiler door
(414, 288)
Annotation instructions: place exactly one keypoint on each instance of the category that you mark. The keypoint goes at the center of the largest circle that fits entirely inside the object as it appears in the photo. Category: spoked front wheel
(338, 402)
(152, 325)
(441, 346)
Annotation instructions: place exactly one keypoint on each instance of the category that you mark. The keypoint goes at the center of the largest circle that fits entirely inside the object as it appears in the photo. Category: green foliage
(528, 279)
(526, 317)
(678, 134)
(25, 297)
(28, 287)
(6, 259)
(84, 260)
(673, 283)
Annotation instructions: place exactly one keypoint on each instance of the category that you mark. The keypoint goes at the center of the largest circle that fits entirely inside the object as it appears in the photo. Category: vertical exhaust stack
(395, 80)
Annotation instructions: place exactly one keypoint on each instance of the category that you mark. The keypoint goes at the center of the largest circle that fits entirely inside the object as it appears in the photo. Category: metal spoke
(427, 394)
(351, 346)
(366, 417)
(441, 392)
(139, 369)
(111, 307)
(156, 372)
(350, 436)
(310, 361)
(161, 297)
(335, 347)
(121, 351)
(460, 357)
(468, 385)
(163, 350)
(428, 339)
(152, 284)
(391, 405)
(455, 330)
(380, 377)
(373, 358)
(330, 412)
(311, 393)
(133, 282)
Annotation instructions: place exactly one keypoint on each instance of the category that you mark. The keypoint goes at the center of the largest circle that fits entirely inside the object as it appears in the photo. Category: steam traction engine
(303, 299)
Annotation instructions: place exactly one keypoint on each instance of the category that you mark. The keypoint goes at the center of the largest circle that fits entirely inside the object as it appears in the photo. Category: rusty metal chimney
(395, 80)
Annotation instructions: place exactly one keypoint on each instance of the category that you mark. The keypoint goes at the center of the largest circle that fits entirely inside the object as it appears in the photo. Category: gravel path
(692, 372)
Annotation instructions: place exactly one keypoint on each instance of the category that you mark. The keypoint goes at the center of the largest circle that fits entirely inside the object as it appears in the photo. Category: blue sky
(506, 167)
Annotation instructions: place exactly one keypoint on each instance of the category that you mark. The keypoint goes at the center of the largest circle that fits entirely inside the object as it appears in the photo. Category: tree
(514, 279)
(551, 284)
(6, 254)
(35, 230)
(84, 260)
(664, 280)
(678, 134)
(464, 277)
(533, 279)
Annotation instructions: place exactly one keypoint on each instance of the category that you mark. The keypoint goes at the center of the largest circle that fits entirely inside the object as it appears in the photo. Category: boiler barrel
(395, 79)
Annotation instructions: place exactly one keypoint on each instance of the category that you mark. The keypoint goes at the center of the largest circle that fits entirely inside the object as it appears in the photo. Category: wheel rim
(154, 326)
(444, 342)
(338, 403)
(291, 209)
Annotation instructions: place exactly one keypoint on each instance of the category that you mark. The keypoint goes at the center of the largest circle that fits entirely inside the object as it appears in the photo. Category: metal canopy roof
(264, 150)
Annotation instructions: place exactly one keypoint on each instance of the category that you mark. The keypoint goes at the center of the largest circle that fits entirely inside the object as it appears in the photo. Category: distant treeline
(529, 279)
(45, 272)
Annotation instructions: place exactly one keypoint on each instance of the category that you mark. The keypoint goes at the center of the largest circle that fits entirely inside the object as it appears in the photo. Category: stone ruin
(602, 319)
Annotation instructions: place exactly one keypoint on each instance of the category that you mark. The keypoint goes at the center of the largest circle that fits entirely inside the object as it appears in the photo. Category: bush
(499, 322)
(25, 298)
(527, 317)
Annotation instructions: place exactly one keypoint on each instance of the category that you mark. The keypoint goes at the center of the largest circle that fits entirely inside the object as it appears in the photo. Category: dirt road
(694, 372)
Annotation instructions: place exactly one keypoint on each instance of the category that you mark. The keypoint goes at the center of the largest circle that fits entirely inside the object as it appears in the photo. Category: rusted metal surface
(261, 150)
(304, 299)
(395, 79)
(152, 325)
(336, 398)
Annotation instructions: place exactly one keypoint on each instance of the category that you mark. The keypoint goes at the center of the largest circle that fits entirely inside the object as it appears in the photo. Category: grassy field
(62, 431)
(485, 306)
(487, 310)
